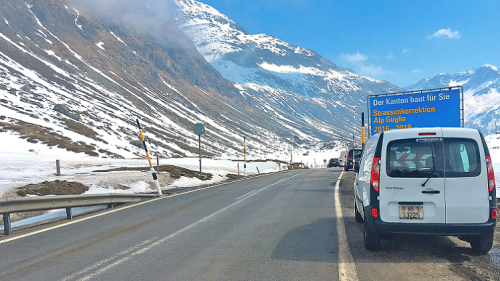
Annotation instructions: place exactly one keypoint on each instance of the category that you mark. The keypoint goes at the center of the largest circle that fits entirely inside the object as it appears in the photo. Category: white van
(427, 181)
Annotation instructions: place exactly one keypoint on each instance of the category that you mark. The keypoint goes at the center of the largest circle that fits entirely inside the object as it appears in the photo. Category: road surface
(283, 226)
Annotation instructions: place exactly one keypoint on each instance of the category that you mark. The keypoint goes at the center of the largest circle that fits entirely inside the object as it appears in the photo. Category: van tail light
(427, 134)
(375, 178)
(375, 212)
(494, 213)
(491, 174)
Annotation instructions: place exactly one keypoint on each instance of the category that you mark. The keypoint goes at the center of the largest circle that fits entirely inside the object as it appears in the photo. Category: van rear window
(433, 157)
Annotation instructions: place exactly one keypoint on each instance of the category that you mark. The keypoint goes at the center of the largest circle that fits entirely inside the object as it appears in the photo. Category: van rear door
(411, 179)
(466, 180)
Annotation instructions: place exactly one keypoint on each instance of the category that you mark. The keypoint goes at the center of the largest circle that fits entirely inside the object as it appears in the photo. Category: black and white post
(153, 173)
(199, 129)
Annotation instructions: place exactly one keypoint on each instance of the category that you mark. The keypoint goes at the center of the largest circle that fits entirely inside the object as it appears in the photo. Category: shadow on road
(314, 242)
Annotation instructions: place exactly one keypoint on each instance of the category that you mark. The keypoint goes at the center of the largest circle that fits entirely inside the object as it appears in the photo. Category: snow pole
(155, 178)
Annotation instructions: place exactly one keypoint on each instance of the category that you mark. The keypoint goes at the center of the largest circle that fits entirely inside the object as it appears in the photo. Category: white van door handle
(431, 191)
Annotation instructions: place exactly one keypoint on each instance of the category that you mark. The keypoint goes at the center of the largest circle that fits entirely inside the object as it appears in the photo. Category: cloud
(155, 18)
(446, 33)
(372, 70)
(416, 71)
(405, 51)
(358, 62)
(357, 57)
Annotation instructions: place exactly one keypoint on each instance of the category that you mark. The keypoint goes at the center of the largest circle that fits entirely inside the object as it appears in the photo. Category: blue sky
(398, 41)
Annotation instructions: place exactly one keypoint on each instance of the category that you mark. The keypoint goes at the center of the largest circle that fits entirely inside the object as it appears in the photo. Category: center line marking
(133, 251)
(246, 194)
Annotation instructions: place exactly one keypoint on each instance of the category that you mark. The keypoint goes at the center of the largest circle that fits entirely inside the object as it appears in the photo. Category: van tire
(357, 215)
(482, 244)
(371, 239)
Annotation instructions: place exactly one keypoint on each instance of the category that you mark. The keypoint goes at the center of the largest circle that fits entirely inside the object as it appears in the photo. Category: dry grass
(35, 133)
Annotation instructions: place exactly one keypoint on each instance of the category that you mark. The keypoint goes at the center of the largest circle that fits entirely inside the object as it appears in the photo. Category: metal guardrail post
(69, 215)
(58, 168)
(6, 223)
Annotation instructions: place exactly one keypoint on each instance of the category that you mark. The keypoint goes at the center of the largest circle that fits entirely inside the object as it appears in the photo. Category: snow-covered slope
(481, 94)
(76, 81)
(293, 82)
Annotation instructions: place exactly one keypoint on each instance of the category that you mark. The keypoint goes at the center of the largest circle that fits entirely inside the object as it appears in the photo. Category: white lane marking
(118, 209)
(119, 258)
(122, 253)
(347, 268)
(246, 194)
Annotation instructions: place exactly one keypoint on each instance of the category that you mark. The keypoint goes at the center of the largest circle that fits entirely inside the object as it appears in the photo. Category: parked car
(334, 162)
(427, 181)
(353, 158)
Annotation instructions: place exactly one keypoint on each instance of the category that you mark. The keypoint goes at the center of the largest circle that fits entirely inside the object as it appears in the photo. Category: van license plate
(411, 212)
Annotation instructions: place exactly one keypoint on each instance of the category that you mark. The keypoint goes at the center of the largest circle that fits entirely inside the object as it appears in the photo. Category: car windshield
(432, 157)
(357, 153)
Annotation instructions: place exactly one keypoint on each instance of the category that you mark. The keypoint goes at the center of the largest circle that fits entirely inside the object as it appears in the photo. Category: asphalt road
(273, 227)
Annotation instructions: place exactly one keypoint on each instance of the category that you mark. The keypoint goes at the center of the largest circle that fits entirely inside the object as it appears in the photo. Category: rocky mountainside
(79, 80)
(294, 83)
(77, 75)
(481, 94)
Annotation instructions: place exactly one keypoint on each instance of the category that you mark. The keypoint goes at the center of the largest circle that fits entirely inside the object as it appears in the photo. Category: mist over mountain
(481, 94)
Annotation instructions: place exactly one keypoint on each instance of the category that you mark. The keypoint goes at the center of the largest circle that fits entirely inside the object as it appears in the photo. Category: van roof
(445, 130)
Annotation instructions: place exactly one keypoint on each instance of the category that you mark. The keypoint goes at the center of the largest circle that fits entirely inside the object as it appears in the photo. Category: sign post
(199, 129)
(426, 108)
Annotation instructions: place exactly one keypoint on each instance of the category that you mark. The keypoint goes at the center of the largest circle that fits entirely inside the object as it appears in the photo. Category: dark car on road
(354, 154)
(334, 162)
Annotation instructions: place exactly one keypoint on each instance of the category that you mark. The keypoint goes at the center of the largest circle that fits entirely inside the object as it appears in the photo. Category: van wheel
(482, 244)
(357, 214)
(371, 239)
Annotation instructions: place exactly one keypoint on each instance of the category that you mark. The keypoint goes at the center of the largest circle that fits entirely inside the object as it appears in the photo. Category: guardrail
(28, 204)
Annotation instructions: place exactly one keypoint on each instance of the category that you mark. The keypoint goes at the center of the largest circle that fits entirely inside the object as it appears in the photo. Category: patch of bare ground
(233, 176)
(174, 171)
(52, 188)
(34, 134)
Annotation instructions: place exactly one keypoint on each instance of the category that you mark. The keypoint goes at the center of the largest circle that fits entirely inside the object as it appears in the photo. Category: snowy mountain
(481, 95)
(293, 83)
(76, 75)
(78, 81)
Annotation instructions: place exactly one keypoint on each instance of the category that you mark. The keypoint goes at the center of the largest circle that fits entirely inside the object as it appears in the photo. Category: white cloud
(372, 70)
(405, 51)
(358, 62)
(357, 57)
(416, 71)
(446, 33)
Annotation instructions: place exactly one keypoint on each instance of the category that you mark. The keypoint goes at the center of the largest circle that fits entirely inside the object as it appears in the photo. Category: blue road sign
(440, 108)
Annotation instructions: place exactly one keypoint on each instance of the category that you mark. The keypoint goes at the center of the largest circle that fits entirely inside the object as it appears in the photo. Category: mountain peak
(492, 67)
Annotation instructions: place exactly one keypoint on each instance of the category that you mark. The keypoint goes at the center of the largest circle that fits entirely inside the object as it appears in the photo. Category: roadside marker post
(363, 131)
(244, 156)
(155, 178)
